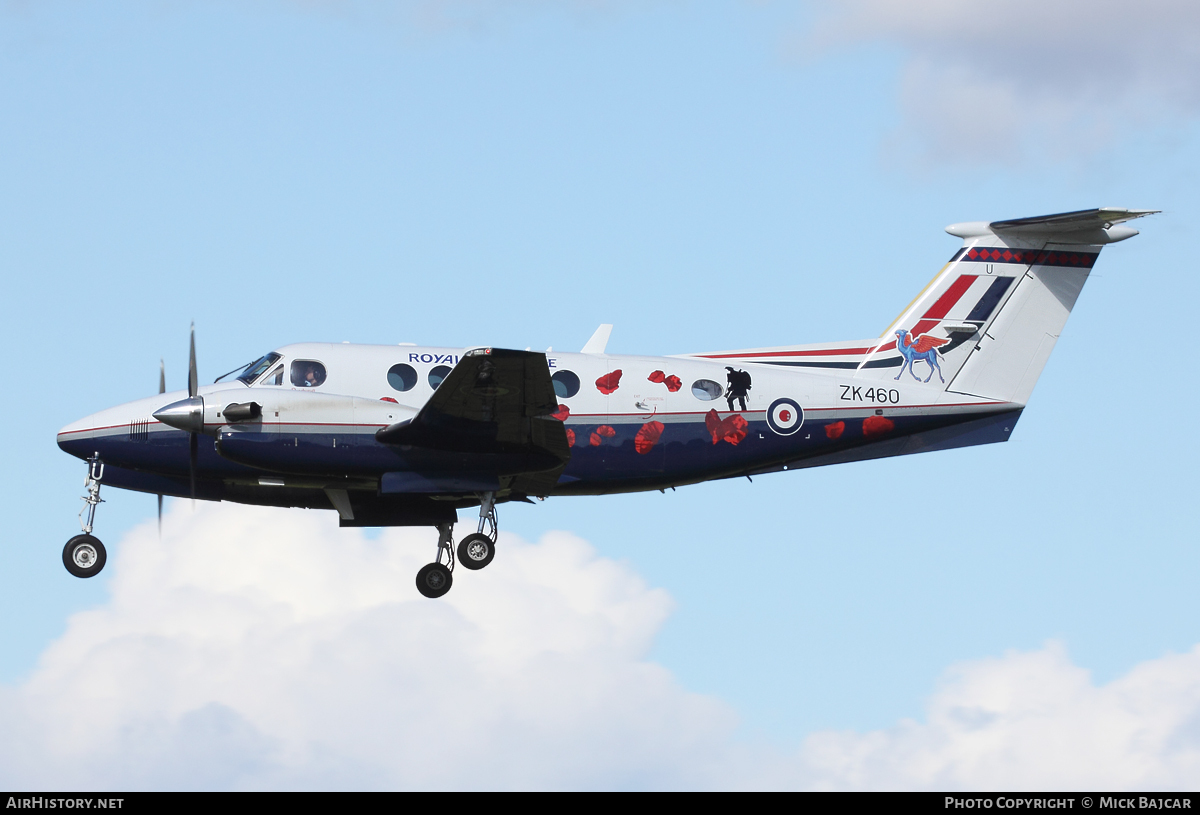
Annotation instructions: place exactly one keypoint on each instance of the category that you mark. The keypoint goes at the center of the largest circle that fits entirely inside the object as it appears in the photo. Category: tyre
(84, 556)
(476, 551)
(434, 580)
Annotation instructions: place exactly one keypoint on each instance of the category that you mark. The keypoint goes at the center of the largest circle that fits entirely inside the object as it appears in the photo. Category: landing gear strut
(435, 579)
(477, 549)
(84, 555)
(474, 552)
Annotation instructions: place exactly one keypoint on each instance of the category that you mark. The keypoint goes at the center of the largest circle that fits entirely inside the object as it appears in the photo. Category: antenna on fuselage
(599, 340)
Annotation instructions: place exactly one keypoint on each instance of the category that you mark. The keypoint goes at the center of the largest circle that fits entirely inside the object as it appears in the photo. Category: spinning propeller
(186, 414)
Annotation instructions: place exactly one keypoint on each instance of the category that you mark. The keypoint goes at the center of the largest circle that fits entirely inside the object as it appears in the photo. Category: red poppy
(673, 383)
(648, 436)
(732, 428)
(561, 414)
(609, 382)
(874, 425)
(595, 440)
(570, 438)
(657, 376)
(835, 430)
(388, 399)
(606, 431)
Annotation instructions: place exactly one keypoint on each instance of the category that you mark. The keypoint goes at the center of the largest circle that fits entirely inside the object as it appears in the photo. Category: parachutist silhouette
(739, 387)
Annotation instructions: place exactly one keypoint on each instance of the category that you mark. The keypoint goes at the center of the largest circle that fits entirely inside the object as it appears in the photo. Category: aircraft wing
(494, 403)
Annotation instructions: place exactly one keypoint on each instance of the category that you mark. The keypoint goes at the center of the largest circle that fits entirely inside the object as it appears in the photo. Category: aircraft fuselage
(634, 423)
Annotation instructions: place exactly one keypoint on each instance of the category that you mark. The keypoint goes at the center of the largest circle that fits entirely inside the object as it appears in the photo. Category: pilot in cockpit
(307, 373)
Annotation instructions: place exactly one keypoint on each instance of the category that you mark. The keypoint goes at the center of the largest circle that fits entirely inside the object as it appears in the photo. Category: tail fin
(989, 320)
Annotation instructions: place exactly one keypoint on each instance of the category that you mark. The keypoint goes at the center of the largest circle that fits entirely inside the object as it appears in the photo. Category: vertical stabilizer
(987, 323)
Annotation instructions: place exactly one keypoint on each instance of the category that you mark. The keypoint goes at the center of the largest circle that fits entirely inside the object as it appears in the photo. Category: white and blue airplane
(407, 436)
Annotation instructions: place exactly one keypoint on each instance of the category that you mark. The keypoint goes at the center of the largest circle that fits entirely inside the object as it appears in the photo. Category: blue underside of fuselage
(685, 452)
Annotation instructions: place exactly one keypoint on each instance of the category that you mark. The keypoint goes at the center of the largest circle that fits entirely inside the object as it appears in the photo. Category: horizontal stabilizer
(1085, 226)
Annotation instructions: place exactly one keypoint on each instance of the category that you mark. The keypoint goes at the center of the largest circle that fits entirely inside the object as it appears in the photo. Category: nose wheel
(84, 555)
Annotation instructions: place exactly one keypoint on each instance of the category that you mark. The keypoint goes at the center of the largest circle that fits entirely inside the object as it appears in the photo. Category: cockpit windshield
(255, 369)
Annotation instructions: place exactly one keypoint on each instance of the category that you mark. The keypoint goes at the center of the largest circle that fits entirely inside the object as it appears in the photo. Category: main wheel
(434, 580)
(84, 556)
(476, 551)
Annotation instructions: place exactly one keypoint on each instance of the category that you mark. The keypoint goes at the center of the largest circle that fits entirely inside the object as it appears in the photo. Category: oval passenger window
(402, 377)
(706, 390)
(437, 375)
(566, 384)
(307, 373)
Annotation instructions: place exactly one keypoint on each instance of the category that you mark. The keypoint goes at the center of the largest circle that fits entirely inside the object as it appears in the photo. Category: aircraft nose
(76, 438)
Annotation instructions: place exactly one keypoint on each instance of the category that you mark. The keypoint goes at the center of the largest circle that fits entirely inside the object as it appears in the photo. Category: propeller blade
(193, 452)
(193, 380)
(160, 516)
(162, 376)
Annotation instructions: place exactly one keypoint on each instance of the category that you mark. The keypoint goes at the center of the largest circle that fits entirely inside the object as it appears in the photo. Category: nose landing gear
(84, 555)
(474, 552)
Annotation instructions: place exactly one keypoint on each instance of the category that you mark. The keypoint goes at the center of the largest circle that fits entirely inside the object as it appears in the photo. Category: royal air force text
(452, 359)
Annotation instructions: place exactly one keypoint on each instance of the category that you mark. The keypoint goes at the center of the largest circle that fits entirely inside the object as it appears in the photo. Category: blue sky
(704, 176)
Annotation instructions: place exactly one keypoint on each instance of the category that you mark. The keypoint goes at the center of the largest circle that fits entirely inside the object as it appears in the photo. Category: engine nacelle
(298, 431)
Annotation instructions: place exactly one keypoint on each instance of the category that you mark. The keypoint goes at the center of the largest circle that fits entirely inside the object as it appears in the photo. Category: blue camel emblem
(924, 348)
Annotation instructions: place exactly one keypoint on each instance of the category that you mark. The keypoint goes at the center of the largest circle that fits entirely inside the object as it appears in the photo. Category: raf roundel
(785, 416)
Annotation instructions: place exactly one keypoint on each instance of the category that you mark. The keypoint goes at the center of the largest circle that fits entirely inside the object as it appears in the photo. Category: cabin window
(566, 384)
(307, 373)
(255, 369)
(402, 377)
(706, 390)
(437, 375)
(273, 378)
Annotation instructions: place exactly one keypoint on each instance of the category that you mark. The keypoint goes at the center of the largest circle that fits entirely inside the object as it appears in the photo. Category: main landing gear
(474, 551)
(84, 555)
(435, 579)
(477, 549)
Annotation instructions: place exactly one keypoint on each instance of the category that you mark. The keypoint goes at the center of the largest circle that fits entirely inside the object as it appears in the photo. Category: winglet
(599, 340)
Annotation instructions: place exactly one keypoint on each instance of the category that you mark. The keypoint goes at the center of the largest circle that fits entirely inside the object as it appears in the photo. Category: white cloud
(254, 648)
(1032, 721)
(1002, 80)
(257, 648)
